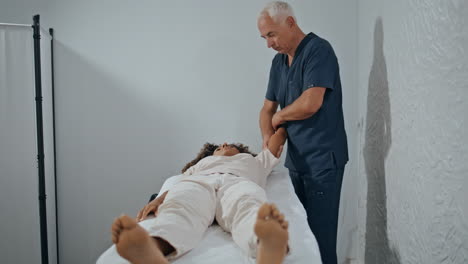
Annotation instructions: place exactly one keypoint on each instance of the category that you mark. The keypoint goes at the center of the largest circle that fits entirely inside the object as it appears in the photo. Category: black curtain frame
(40, 141)
(51, 32)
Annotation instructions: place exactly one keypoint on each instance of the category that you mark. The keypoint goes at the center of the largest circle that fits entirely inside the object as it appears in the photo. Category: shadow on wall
(378, 140)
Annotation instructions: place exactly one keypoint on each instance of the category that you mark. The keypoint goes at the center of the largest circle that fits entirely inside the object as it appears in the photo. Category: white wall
(140, 86)
(19, 205)
(413, 66)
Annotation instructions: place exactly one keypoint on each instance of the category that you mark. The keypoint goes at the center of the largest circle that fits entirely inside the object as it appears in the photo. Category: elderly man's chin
(279, 50)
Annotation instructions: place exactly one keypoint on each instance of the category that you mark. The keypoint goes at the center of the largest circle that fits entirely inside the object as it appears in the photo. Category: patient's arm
(151, 207)
(276, 142)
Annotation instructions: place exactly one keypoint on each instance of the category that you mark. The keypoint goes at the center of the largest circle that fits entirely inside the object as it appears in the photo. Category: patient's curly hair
(208, 150)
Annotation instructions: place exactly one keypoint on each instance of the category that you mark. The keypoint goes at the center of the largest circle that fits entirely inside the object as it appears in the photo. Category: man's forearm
(265, 123)
(296, 111)
(305, 106)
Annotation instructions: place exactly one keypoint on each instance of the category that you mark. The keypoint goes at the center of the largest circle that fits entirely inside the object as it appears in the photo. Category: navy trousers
(319, 191)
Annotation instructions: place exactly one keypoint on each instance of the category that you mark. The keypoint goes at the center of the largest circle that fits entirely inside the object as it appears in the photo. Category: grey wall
(140, 86)
(412, 173)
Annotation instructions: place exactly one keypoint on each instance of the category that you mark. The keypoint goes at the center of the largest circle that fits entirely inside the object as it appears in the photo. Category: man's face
(277, 35)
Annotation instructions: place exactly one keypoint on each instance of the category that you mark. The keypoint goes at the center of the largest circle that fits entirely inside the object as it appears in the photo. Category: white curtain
(19, 204)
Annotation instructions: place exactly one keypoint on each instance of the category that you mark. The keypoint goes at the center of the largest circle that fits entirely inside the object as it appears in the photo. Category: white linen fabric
(191, 205)
(245, 165)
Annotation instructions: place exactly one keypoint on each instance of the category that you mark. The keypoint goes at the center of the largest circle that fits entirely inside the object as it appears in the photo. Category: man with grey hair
(305, 82)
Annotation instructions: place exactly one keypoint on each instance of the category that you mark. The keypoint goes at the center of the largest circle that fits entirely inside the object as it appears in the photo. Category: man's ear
(290, 21)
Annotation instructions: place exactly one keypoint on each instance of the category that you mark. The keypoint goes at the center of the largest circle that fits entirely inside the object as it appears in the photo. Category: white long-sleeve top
(244, 165)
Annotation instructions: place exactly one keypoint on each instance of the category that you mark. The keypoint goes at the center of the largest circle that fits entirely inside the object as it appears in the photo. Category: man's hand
(277, 120)
(266, 114)
(266, 138)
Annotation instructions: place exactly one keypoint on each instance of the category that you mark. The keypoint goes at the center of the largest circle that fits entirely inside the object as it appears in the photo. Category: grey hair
(278, 11)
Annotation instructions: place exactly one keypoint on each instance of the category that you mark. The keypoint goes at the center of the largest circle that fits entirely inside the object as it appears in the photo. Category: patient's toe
(127, 222)
(280, 218)
(275, 212)
(119, 224)
(116, 228)
(115, 237)
(264, 211)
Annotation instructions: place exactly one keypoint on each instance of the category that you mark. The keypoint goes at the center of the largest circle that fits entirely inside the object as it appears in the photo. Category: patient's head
(218, 150)
(226, 150)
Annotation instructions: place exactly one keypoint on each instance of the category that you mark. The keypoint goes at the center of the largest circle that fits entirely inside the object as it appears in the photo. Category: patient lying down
(135, 244)
(223, 183)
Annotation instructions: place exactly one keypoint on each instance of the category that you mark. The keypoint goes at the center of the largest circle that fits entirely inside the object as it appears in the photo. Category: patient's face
(226, 150)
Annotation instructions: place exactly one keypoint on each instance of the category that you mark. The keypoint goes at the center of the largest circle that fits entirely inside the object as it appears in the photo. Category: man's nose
(224, 145)
(269, 43)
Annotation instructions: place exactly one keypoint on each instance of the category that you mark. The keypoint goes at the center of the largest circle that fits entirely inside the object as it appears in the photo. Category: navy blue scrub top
(318, 142)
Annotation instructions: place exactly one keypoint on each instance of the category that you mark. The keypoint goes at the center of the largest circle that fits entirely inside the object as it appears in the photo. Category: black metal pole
(51, 32)
(40, 140)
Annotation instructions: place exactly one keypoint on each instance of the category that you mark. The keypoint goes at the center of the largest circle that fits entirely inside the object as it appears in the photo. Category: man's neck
(296, 41)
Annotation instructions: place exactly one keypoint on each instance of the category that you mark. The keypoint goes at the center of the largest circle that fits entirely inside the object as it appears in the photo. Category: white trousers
(191, 206)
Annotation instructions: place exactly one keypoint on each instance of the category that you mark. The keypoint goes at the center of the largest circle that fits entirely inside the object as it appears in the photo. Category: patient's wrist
(281, 131)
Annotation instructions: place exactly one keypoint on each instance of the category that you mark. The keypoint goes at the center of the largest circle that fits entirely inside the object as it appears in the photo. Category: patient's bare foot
(272, 233)
(134, 243)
